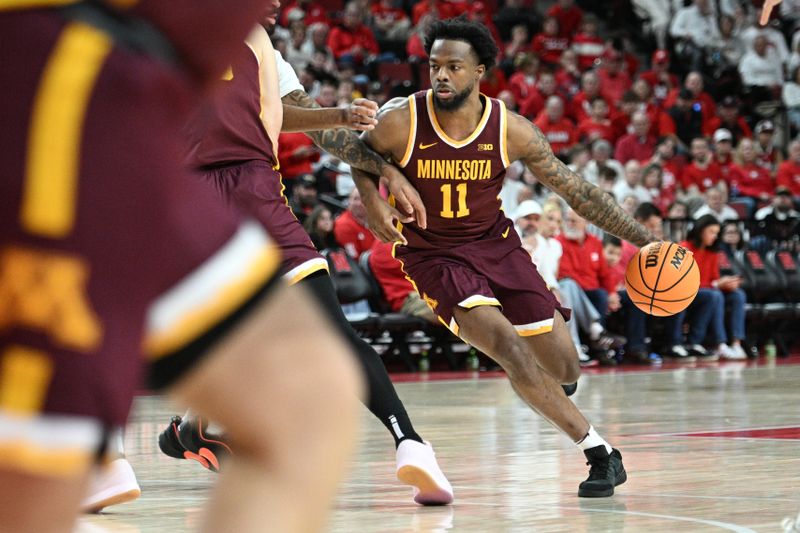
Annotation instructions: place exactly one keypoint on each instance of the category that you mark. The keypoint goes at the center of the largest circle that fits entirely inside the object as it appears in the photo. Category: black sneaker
(206, 448)
(701, 353)
(640, 356)
(606, 473)
(679, 354)
(570, 389)
(168, 440)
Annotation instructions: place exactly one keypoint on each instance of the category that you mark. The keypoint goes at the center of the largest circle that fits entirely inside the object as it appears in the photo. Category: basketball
(662, 278)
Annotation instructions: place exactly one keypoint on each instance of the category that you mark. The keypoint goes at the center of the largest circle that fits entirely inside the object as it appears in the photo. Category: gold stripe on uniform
(35, 4)
(412, 132)
(533, 332)
(56, 130)
(487, 111)
(504, 134)
(43, 461)
(25, 375)
(228, 299)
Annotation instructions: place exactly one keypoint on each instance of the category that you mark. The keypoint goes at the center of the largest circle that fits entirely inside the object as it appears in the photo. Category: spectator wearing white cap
(769, 155)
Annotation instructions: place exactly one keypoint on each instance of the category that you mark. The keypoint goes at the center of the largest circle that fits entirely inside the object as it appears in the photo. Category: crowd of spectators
(682, 110)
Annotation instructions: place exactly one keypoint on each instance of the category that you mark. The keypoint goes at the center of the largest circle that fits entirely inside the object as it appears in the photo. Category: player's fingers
(362, 111)
(367, 103)
(417, 207)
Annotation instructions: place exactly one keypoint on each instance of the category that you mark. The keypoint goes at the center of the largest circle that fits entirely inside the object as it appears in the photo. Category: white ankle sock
(595, 330)
(591, 440)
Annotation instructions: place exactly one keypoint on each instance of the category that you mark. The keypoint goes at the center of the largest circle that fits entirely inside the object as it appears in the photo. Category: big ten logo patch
(47, 292)
(485, 147)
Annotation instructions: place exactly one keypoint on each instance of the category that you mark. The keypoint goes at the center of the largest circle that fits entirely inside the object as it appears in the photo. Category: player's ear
(480, 70)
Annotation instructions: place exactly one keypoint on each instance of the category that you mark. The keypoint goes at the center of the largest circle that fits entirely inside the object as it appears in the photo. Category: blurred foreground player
(454, 146)
(104, 237)
(232, 153)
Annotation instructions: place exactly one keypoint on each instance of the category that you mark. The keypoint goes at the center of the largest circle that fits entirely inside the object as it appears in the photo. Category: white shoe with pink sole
(417, 466)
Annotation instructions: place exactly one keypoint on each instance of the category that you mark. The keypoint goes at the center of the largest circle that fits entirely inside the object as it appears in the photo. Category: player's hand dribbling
(360, 115)
(381, 219)
(406, 196)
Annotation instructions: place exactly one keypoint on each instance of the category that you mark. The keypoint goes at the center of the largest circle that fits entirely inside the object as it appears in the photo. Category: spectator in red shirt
(708, 307)
(587, 44)
(440, 9)
(702, 172)
(523, 82)
(296, 153)
(769, 155)
(614, 79)
(583, 261)
(660, 79)
(559, 131)
(621, 116)
(789, 172)
(694, 84)
(350, 228)
(568, 76)
(415, 47)
(519, 43)
(549, 44)
(653, 182)
(493, 82)
(672, 165)
(639, 145)
(728, 117)
(477, 12)
(752, 180)
(661, 124)
(582, 103)
(723, 155)
(389, 21)
(597, 126)
(398, 292)
(352, 39)
(569, 16)
(311, 12)
(545, 88)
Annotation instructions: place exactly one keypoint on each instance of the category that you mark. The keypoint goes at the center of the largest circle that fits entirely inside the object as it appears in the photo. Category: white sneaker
(111, 484)
(740, 353)
(726, 352)
(416, 466)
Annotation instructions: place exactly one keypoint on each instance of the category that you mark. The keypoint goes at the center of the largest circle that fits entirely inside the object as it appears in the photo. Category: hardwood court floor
(710, 448)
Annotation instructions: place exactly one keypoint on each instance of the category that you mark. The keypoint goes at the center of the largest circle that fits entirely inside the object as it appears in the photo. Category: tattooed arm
(340, 142)
(527, 143)
(359, 115)
(354, 151)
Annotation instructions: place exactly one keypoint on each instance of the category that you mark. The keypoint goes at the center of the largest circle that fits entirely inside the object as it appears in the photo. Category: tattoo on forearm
(589, 201)
(340, 142)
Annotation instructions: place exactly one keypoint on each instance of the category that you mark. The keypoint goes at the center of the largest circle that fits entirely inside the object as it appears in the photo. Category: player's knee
(516, 359)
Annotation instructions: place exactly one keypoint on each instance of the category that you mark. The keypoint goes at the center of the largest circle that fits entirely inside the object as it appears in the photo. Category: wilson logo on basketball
(677, 259)
(651, 260)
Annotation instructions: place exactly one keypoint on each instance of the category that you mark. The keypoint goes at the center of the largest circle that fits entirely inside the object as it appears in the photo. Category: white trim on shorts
(305, 269)
(535, 328)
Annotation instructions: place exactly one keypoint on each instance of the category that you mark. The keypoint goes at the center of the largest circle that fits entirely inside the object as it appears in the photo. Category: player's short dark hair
(462, 29)
(612, 240)
(645, 211)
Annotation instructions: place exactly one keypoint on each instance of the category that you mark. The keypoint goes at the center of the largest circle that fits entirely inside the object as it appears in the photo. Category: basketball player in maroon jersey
(104, 236)
(454, 145)
(231, 152)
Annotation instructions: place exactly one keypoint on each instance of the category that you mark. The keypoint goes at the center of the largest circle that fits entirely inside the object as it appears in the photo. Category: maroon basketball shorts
(494, 271)
(256, 187)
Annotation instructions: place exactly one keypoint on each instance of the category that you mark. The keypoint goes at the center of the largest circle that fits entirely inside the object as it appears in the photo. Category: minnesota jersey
(458, 181)
(228, 128)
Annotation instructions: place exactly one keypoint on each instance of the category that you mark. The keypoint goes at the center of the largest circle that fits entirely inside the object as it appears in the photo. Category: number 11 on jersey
(447, 193)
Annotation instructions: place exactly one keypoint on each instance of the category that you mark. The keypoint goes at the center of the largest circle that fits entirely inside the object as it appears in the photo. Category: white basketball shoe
(417, 466)
(111, 484)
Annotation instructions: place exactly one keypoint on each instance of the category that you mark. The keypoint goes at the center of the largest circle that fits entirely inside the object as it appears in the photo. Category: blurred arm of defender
(527, 143)
(328, 128)
(271, 106)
